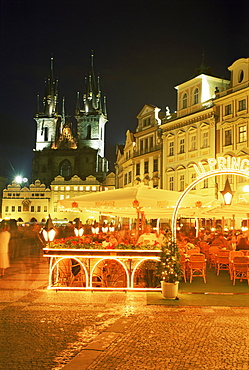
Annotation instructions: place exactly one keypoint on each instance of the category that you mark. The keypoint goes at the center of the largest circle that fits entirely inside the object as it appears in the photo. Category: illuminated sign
(222, 163)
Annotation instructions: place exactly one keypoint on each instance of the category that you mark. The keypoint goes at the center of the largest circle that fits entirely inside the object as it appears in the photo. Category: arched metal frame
(54, 265)
(138, 264)
(194, 183)
(110, 258)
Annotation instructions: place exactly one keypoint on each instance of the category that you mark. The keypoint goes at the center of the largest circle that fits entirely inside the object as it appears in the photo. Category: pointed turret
(50, 99)
(77, 109)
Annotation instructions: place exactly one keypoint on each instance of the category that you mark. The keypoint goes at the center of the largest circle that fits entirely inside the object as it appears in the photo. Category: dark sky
(142, 48)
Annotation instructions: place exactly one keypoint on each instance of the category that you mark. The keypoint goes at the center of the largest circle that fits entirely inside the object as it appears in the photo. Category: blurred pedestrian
(4, 248)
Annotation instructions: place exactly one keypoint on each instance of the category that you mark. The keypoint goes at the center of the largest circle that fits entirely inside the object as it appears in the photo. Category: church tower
(58, 152)
(47, 120)
(92, 118)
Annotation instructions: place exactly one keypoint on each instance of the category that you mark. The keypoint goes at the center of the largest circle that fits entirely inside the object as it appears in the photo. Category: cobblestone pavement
(41, 329)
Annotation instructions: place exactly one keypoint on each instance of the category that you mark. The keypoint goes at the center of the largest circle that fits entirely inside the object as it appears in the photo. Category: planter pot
(169, 290)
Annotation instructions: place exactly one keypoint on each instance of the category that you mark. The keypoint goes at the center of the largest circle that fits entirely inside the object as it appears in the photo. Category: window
(125, 179)
(184, 101)
(193, 142)
(56, 188)
(87, 188)
(193, 177)
(171, 148)
(146, 145)
(182, 181)
(171, 183)
(242, 104)
(75, 188)
(182, 146)
(67, 188)
(46, 134)
(61, 196)
(228, 137)
(19, 209)
(65, 168)
(141, 146)
(62, 188)
(45, 208)
(205, 184)
(7, 209)
(146, 167)
(196, 96)
(155, 165)
(81, 188)
(32, 208)
(94, 188)
(205, 140)
(151, 143)
(25, 206)
(228, 109)
(242, 134)
(137, 169)
(38, 208)
(129, 177)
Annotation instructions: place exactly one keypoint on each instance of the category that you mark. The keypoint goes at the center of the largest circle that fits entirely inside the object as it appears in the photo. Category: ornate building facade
(58, 150)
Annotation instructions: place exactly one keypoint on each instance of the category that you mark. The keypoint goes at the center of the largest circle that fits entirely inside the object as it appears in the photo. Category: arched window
(184, 101)
(196, 96)
(65, 168)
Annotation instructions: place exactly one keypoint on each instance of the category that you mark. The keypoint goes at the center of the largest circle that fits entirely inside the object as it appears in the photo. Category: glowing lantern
(48, 231)
(227, 193)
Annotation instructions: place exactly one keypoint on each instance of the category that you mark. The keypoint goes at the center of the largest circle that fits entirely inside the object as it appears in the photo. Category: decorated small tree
(169, 267)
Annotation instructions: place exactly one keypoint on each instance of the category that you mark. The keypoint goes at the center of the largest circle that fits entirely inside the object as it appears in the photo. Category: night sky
(142, 50)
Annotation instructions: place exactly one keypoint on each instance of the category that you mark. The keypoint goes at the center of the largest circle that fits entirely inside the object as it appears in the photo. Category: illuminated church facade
(58, 150)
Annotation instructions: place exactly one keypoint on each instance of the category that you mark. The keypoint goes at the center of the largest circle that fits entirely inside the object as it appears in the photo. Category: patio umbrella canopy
(126, 201)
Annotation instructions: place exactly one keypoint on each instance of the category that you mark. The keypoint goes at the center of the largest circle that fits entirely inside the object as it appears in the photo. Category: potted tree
(169, 270)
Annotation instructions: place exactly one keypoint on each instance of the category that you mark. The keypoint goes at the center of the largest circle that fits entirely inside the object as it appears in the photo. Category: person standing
(4, 248)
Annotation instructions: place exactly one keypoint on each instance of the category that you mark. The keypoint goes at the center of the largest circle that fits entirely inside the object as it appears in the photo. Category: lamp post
(78, 229)
(49, 231)
(227, 193)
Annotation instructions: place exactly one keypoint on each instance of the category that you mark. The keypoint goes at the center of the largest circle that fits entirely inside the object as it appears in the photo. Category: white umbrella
(126, 201)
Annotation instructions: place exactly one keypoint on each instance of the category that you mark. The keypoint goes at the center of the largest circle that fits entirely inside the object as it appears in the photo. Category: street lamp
(78, 229)
(227, 193)
(48, 231)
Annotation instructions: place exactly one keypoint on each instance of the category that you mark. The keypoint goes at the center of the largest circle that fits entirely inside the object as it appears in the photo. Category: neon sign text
(222, 163)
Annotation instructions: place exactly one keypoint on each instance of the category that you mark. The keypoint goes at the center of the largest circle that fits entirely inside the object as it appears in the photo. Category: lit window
(184, 101)
(129, 177)
(125, 179)
(171, 148)
(67, 188)
(67, 196)
(56, 188)
(45, 208)
(193, 142)
(205, 140)
(155, 165)
(75, 188)
(182, 146)
(81, 188)
(171, 183)
(205, 184)
(228, 137)
(196, 96)
(146, 167)
(228, 109)
(242, 104)
(182, 182)
(94, 188)
(242, 134)
(87, 188)
(62, 188)
(137, 169)
(38, 208)
(61, 196)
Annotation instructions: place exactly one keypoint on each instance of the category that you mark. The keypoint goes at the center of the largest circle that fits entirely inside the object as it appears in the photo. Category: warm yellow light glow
(246, 189)
(79, 232)
(49, 235)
